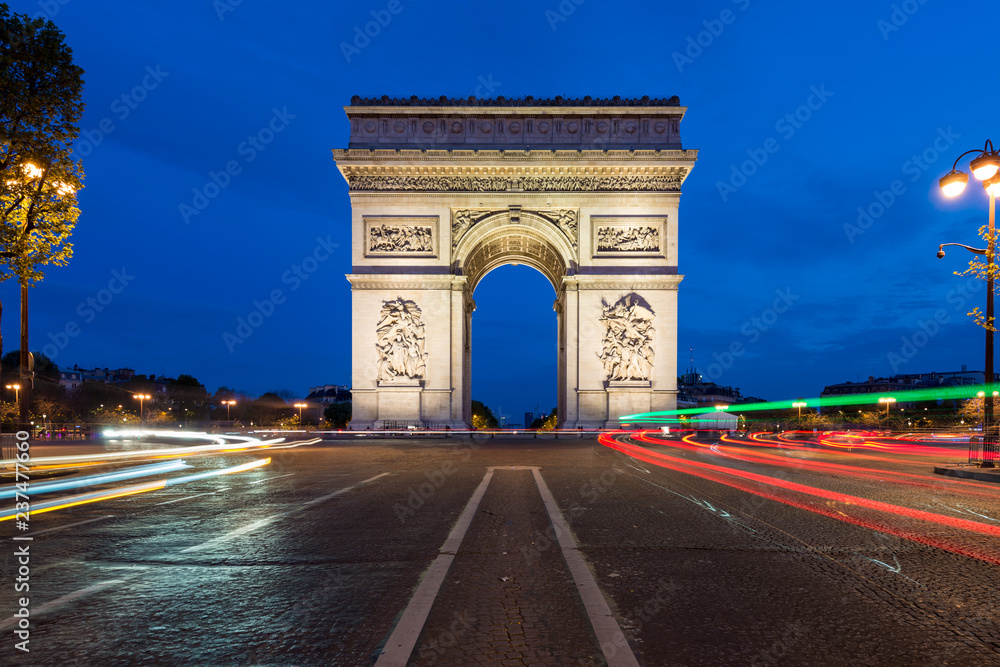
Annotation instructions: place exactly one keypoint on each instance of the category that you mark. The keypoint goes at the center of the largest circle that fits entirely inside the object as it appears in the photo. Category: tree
(482, 416)
(981, 270)
(40, 108)
(338, 414)
(546, 423)
(189, 397)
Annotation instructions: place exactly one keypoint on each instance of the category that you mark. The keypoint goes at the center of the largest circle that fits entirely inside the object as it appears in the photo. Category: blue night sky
(853, 99)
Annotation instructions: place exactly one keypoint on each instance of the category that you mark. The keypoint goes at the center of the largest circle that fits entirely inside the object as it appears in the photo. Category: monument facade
(444, 191)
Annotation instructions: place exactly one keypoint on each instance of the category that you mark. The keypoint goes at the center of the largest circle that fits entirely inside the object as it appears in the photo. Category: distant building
(70, 380)
(694, 392)
(105, 375)
(529, 417)
(328, 394)
(904, 381)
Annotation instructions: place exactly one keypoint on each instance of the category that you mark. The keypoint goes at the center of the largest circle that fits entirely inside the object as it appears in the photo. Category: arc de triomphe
(444, 191)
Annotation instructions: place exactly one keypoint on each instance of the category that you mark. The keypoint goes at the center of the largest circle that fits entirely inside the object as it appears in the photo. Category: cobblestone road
(315, 559)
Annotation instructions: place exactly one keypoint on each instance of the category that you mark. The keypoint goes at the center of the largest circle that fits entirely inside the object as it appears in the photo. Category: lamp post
(799, 405)
(141, 397)
(17, 392)
(888, 400)
(229, 404)
(984, 166)
(300, 406)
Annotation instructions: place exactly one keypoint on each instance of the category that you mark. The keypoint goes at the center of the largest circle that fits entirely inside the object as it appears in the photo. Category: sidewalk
(969, 471)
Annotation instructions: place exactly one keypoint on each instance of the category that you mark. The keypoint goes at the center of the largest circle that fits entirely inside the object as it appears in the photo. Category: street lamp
(984, 167)
(888, 400)
(17, 392)
(228, 404)
(300, 406)
(799, 405)
(141, 397)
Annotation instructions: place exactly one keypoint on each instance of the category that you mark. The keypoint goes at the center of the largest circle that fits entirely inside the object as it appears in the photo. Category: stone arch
(497, 239)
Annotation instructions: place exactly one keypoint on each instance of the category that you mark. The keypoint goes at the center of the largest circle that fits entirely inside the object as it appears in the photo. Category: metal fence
(984, 450)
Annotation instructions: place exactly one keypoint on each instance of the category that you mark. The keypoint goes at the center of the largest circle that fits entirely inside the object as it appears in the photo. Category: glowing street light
(17, 392)
(141, 397)
(799, 405)
(888, 400)
(228, 404)
(300, 406)
(984, 167)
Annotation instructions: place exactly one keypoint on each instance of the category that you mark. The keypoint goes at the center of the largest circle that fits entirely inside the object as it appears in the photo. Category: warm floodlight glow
(31, 170)
(985, 166)
(992, 186)
(799, 404)
(13, 386)
(887, 399)
(953, 183)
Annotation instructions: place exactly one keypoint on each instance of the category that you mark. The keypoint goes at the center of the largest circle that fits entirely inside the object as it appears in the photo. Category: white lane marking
(66, 599)
(177, 500)
(404, 636)
(275, 517)
(615, 647)
(268, 479)
(71, 525)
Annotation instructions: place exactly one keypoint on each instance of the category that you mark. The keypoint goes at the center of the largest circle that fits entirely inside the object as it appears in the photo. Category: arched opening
(515, 356)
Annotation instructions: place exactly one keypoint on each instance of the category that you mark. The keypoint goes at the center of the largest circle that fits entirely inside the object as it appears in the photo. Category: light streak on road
(848, 505)
(94, 480)
(109, 494)
(83, 499)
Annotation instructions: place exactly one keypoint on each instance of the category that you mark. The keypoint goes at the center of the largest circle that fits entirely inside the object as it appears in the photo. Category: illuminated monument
(443, 191)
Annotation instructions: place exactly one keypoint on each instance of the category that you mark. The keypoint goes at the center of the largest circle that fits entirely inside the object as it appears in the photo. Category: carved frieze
(413, 236)
(628, 235)
(627, 345)
(628, 239)
(621, 183)
(399, 339)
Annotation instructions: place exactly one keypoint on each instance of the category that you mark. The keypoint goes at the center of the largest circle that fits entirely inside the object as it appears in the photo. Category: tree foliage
(40, 108)
(984, 269)
(338, 414)
(482, 416)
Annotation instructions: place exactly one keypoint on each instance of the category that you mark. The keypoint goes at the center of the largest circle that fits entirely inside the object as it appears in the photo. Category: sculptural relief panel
(627, 345)
(628, 236)
(399, 340)
(401, 236)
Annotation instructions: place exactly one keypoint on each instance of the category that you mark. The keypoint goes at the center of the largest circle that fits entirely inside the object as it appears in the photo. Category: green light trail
(909, 396)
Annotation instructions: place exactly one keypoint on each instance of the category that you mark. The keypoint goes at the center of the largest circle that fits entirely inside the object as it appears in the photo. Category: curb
(968, 474)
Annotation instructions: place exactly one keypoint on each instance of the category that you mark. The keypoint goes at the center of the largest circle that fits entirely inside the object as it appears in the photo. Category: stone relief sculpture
(399, 339)
(627, 352)
(463, 220)
(402, 239)
(625, 183)
(566, 220)
(628, 239)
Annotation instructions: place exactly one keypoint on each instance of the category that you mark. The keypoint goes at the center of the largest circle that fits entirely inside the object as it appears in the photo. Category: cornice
(502, 101)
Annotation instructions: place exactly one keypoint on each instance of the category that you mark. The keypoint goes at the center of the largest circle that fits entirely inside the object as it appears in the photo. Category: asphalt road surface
(520, 551)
